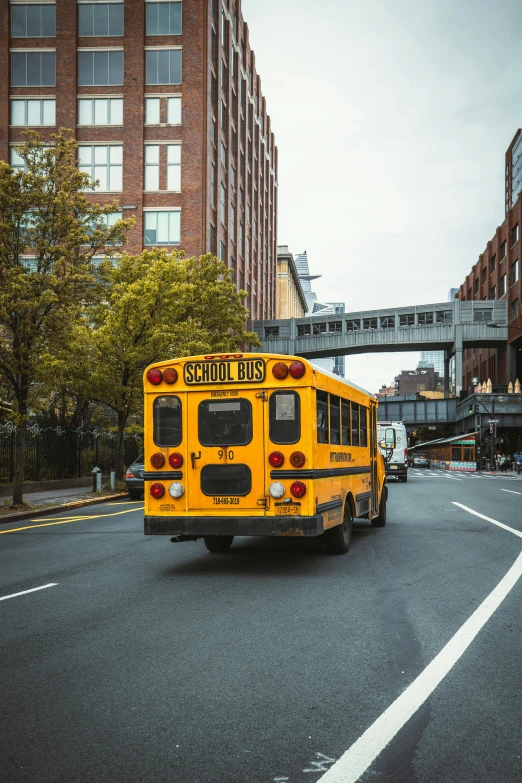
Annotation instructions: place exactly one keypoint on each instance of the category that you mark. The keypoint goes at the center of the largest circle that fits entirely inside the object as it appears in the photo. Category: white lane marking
(511, 491)
(488, 519)
(357, 759)
(24, 592)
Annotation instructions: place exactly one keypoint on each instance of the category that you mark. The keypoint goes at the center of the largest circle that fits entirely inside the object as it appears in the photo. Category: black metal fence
(59, 453)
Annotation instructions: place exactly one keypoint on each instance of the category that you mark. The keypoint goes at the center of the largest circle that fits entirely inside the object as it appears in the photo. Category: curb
(39, 512)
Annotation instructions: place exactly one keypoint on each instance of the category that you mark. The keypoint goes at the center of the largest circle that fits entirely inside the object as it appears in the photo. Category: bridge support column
(446, 374)
(458, 360)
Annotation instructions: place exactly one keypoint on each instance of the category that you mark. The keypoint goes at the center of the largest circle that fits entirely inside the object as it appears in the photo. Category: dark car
(134, 478)
(420, 461)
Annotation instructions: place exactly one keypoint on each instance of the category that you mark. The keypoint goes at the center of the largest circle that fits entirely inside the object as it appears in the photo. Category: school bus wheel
(218, 543)
(380, 521)
(339, 538)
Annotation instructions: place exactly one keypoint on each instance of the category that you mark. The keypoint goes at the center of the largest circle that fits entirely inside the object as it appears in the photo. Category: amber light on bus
(157, 491)
(157, 460)
(280, 371)
(297, 459)
(298, 489)
(170, 375)
(176, 460)
(276, 459)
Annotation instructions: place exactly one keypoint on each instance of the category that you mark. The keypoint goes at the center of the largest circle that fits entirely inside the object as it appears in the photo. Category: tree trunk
(120, 445)
(19, 460)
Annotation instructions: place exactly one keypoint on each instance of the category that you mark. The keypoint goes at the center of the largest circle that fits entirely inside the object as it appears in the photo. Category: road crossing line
(356, 760)
(32, 590)
(511, 491)
(488, 519)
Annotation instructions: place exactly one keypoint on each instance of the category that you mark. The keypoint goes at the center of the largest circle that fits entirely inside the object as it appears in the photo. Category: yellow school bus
(258, 445)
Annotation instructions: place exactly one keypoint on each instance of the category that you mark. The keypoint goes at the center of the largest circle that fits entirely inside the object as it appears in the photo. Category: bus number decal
(226, 454)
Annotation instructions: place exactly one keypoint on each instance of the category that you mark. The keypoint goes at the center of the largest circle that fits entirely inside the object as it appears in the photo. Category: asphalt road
(148, 661)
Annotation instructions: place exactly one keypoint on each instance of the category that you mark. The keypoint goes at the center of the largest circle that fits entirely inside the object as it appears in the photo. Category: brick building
(496, 275)
(168, 112)
(423, 379)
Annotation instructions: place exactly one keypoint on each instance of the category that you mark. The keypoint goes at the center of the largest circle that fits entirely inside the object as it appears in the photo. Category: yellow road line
(53, 521)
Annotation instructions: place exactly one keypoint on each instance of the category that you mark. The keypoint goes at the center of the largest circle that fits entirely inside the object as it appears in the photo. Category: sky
(392, 119)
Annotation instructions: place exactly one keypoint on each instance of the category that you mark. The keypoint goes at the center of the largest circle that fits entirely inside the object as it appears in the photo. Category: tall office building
(433, 359)
(166, 105)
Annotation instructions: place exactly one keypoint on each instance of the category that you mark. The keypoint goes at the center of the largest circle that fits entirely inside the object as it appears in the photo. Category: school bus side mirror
(382, 444)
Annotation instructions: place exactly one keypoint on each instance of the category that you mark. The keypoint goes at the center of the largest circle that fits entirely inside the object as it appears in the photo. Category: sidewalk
(54, 500)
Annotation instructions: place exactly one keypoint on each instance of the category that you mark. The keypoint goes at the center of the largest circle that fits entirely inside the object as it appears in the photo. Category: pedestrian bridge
(450, 327)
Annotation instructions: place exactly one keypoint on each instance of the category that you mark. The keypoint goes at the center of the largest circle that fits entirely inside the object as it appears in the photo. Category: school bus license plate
(286, 510)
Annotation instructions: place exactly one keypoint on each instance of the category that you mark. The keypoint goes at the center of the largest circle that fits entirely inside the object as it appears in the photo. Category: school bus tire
(218, 543)
(380, 520)
(339, 538)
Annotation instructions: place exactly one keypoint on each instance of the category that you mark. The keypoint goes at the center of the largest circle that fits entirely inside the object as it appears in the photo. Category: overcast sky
(392, 118)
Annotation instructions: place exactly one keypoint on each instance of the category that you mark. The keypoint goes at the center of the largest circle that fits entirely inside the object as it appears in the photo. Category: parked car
(420, 461)
(134, 478)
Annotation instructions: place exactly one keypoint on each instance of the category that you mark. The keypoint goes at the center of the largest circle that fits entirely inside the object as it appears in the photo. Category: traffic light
(472, 408)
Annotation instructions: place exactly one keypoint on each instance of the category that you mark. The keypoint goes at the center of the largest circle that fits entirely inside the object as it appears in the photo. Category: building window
(100, 111)
(424, 319)
(223, 155)
(484, 274)
(162, 228)
(476, 284)
(100, 68)
(163, 66)
(33, 112)
(33, 21)
(514, 309)
(502, 285)
(152, 111)
(33, 69)
(493, 292)
(174, 167)
(240, 238)
(232, 222)
(514, 235)
(407, 320)
(104, 164)
(152, 163)
(222, 251)
(100, 19)
(514, 272)
(16, 161)
(222, 202)
(493, 263)
(212, 238)
(223, 112)
(164, 18)
(303, 330)
(503, 250)
(174, 110)
(271, 332)
(335, 326)
(233, 177)
(213, 185)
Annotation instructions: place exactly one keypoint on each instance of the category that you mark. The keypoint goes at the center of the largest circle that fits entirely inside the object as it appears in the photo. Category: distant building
(290, 297)
(387, 391)
(513, 171)
(433, 359)
(423, 379)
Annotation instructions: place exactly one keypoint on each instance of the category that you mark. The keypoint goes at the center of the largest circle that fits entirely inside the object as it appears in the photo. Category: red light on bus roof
(276, 459)
(154, 376)
(297, 459)
(298, 489)
(176, 460)
(170, 375)
(280, 371)
(157, 460)
(157, 491)
(297, 369)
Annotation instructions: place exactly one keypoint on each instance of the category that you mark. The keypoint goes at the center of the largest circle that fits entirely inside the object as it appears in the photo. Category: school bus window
(167, 421)
(345, 421)
(285, 417)
(322, 417)
(335, 424)
(226, 423)
(363, 426)
(355, 424)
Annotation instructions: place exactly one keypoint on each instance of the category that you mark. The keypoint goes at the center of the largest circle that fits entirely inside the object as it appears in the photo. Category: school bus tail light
(297, 369)
(157, 460)
(170, 375)
(276, 489)
(154, 376)
(176, 460)
(176, 490)
(297, 459)
(276, 459)
(298, 489)
(280, 371)
(157, 491)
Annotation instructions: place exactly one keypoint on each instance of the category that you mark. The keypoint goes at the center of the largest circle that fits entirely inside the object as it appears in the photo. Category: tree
(49, 233)
(158, 306)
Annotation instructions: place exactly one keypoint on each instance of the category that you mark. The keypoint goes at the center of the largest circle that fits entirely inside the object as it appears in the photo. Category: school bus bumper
(234, 526)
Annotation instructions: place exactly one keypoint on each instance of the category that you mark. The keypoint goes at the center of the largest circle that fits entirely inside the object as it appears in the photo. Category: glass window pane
(48, 69)
(152, 19)
(152, 67)
(150, 228)
(174, 153)
(174, 228)
(167, 421)
(34, 68)
(335, 434)
(18, 21)
(18, 113)
(151, 177)
(225, 423)
(322, 417)
(116, 19)
(101, 114)
(100, 155)
(101, 67)
(175, 18)
(152, 153)
(115, 68)
(163, 18)
(345, 423)
(116, 117)
(175, 66)
(84, 156)
(49, 112)
(116, 178)
(100, 173)
(18, 69)
(48, 20)
(101, 19)
(152, 111)
(163, 67)
(85, 64)
(85, 20)
(355, 424)
(16, 160)
(174, 111)
(116, 154)
(34, 21)
(33, 112)
(85, 111)
(163, 227)
(285, 422)
(174, 177)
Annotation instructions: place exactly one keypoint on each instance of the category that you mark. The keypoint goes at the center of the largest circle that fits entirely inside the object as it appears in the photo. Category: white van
(393, 434)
